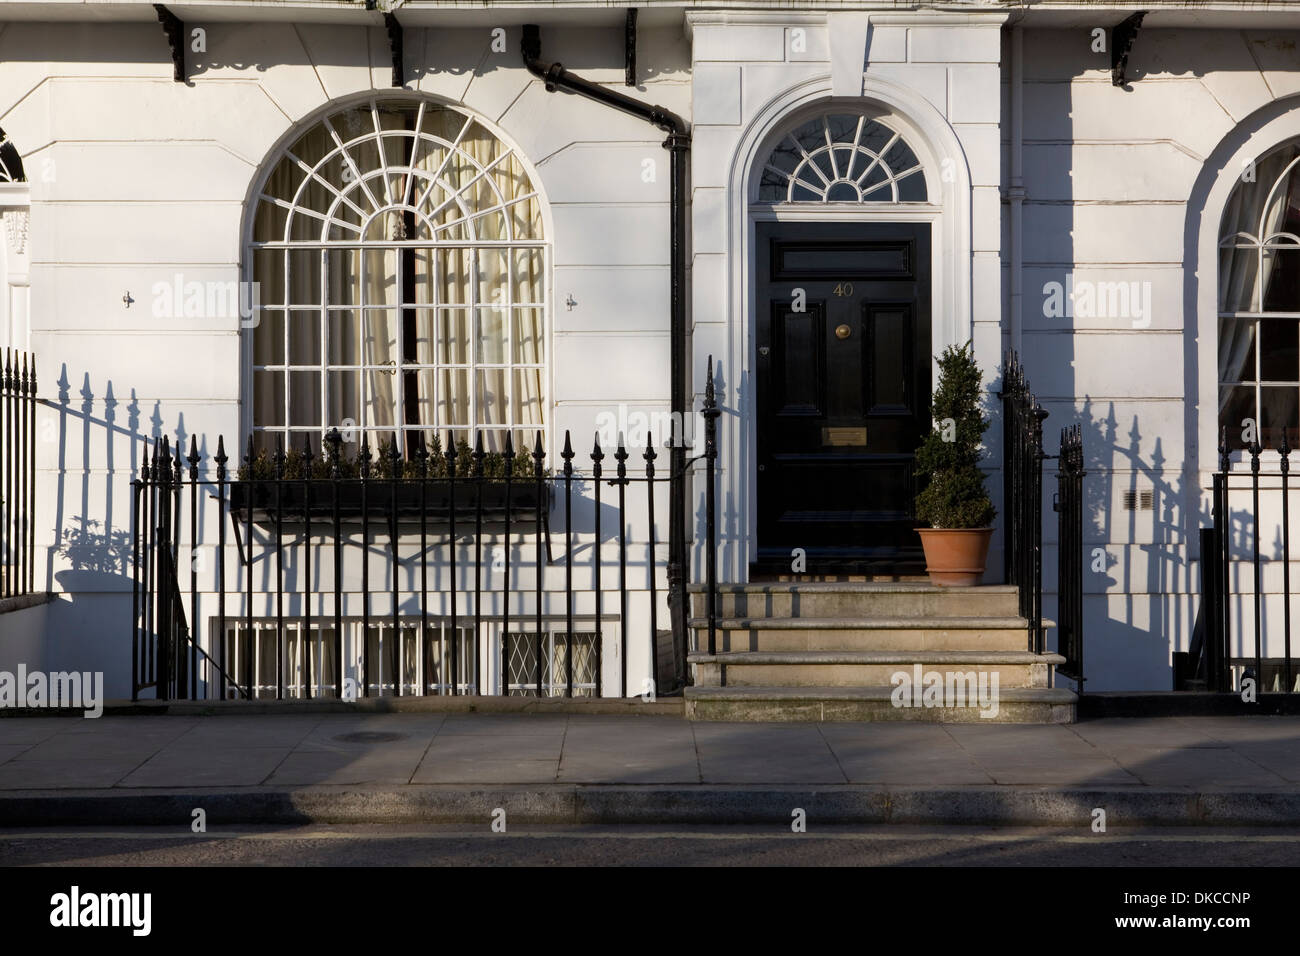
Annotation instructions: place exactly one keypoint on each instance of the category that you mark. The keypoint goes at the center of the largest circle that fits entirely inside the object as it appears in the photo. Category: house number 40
(844, 288)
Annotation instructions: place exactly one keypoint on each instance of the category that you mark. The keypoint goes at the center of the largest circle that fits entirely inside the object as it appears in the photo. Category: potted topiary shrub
(953, 500)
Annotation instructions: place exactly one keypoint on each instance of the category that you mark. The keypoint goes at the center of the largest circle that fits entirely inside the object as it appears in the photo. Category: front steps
(831, 650)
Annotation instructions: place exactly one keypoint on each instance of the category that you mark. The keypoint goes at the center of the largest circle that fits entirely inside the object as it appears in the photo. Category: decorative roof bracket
(629, 45)
(395, 47)
(1122, 36)
(174, 27)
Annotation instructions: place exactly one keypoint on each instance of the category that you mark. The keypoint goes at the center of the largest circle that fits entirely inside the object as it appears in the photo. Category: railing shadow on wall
(1134, 481)
(91, 537)
(454, 537)
(91, 548)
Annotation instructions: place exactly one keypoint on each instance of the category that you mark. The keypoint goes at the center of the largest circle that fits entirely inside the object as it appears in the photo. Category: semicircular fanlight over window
(11, 164)
(1259, 301)
(842, 158)
(399, 260)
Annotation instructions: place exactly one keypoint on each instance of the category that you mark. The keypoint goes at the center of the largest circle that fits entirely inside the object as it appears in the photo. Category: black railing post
(1069, 588)
(509, 458)
(335, 441)
(6, 475)
(422, 645)
(1223, 561)
(649, 455)
(191, 686)
(538, 460)
(483, 659)
(567, 456)
(597, 456)
(279, 568)
(621, 456)
(451, 546)
(1285, 450)
(1259, 586)
(365, 567)
(711, 413)
(31, 481)
(398, 656)
(221, 459)
(248, 642)
(166, 571)
(307, 590)
(137, 491)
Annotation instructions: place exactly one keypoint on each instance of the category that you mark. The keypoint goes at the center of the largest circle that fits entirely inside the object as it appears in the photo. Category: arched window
(1259, 301)
(842, 158)
(400, 261)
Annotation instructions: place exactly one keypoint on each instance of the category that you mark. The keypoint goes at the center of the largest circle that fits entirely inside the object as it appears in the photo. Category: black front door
(843, 394)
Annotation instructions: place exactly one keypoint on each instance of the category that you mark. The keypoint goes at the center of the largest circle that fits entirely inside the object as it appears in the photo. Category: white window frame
(523, 434)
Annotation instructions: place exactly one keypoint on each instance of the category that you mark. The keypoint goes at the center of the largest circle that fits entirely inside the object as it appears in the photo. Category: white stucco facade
(135, 179)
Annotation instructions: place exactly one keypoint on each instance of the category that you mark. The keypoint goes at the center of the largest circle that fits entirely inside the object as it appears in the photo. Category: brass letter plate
(845, 436)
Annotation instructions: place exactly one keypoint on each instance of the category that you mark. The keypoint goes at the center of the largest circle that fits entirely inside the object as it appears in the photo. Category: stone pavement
(341, 767)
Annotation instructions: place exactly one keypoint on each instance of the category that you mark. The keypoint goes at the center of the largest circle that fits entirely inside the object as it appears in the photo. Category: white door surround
(948, 186)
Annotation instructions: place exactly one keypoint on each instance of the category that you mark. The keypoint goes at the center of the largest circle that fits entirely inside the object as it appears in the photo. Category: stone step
(915, 633)
(1029, 705)
(867, 668)
(857, 600)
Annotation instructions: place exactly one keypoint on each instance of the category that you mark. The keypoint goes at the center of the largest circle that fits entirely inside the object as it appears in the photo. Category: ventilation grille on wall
(1139, 500)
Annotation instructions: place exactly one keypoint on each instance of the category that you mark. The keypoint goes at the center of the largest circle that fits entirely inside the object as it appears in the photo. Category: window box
(383, 497)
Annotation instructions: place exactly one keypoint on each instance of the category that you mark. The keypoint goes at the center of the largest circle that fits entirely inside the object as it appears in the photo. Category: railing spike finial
(278, 459)
(596, 453)
(221, 457)
(451, 454)
(649, 454)
(1284, 447)
(307, 456)
(478, 454)
(365, 456)
(1255, 450)
(567, 453)
(539, 455)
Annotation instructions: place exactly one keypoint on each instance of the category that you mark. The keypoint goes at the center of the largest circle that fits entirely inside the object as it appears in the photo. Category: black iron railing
(1232, 549)
(1069, 555)
(17, 473)
(454, 608)
(1022, 490)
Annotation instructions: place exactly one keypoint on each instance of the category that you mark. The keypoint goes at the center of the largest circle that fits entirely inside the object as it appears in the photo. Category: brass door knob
(843, 332)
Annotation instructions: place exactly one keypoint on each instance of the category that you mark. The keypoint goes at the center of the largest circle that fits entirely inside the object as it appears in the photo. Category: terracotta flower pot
(955, 557)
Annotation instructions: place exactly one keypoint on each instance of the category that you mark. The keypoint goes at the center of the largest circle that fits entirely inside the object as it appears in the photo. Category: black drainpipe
(678, 144)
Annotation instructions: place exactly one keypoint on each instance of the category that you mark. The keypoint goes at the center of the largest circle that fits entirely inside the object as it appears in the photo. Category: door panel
(843, 393)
